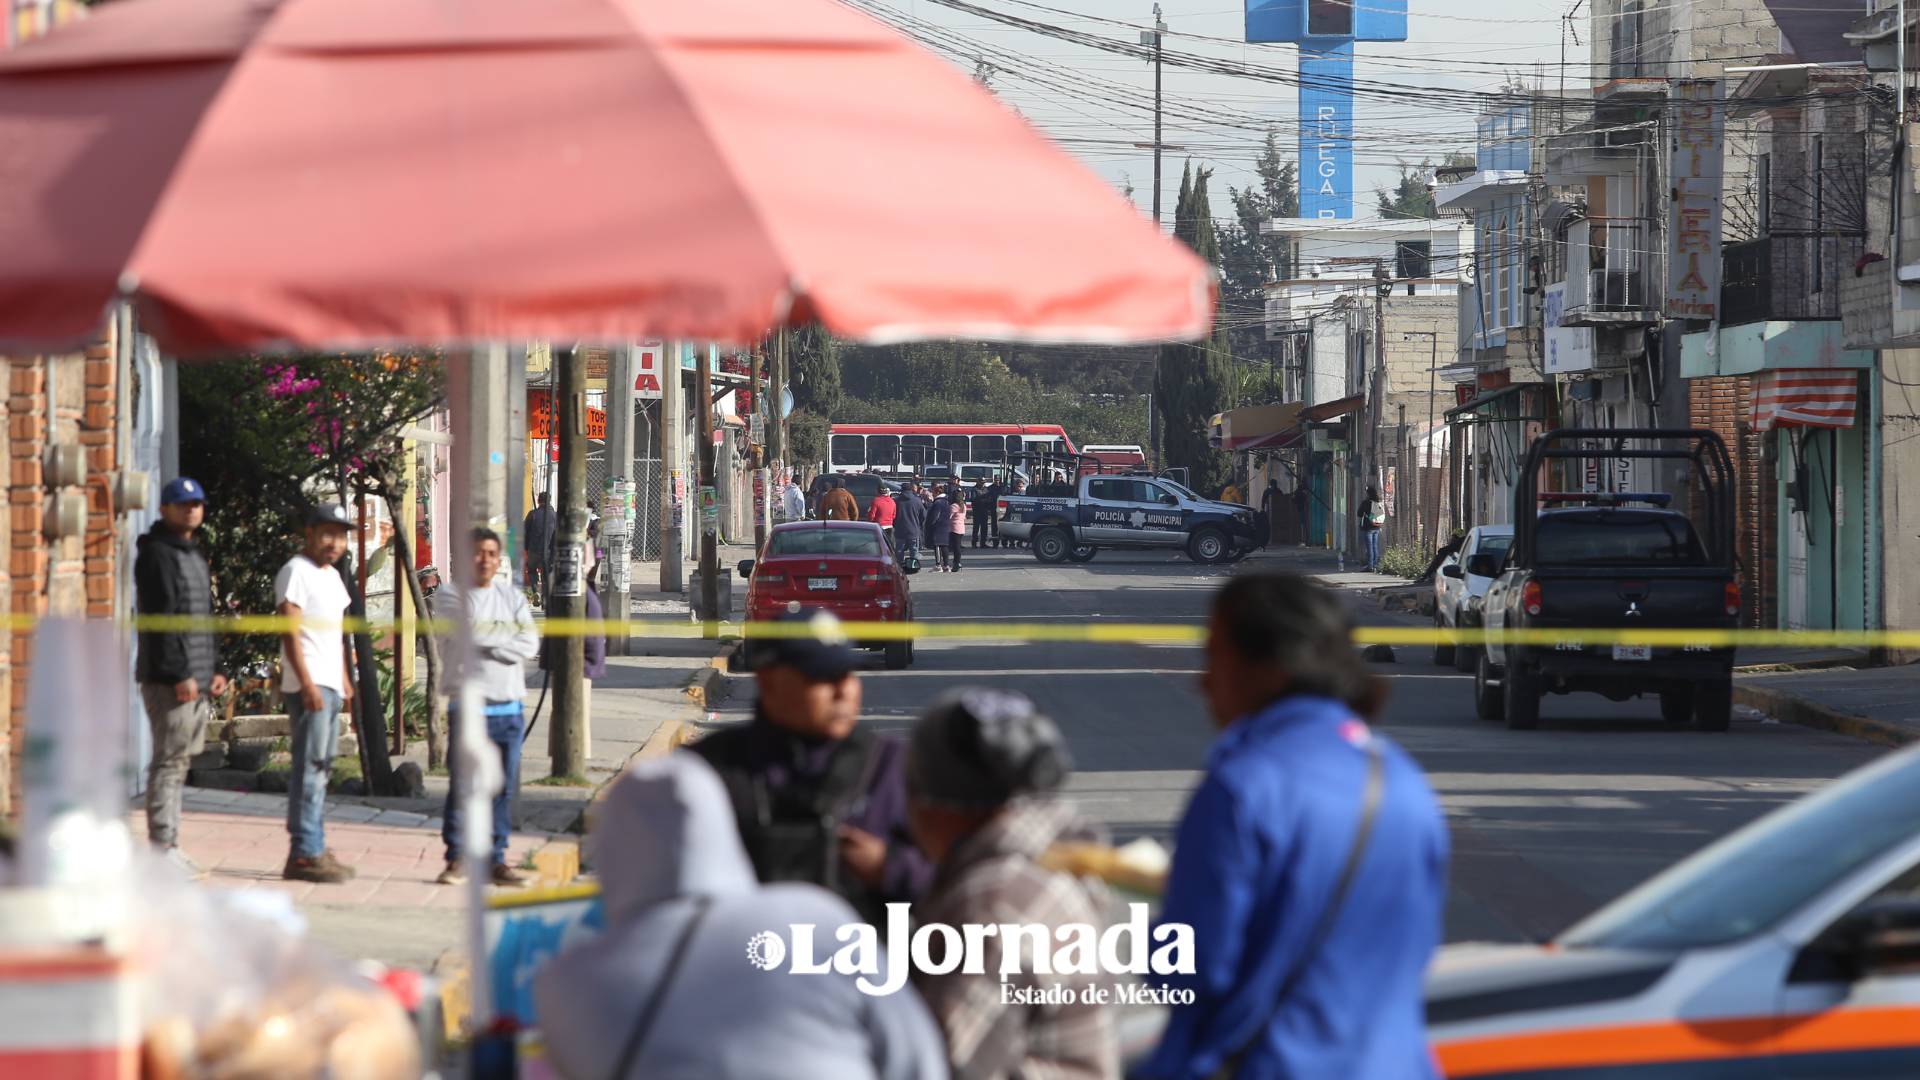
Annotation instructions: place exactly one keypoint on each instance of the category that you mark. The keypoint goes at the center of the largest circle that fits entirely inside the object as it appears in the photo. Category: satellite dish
(786, 401)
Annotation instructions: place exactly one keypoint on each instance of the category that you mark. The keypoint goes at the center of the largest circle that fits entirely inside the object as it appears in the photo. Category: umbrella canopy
(354, 173)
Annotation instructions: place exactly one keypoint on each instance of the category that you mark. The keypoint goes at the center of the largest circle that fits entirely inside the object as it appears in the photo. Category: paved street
(1546, 824)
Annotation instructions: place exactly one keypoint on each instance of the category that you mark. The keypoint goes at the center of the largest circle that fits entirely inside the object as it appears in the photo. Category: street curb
(709, 685)
(1793, 709)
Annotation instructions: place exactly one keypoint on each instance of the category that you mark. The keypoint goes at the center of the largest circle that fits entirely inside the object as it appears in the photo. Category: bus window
(916, 451)
(956, 445)
(1016, 444)
(849, 450)
(988, 448)
(883, 450)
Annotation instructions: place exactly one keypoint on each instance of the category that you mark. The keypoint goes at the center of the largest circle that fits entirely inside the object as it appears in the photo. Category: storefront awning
(1469, 411)
(1814, 399)
(1259, 427)
(1329, 410)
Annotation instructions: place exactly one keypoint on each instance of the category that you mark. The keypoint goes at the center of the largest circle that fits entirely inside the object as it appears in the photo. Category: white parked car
(1460, 587)
(1789, 950)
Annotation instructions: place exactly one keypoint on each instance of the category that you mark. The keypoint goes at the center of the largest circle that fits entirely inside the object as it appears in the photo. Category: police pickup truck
(1614, 563)
(1126, 512)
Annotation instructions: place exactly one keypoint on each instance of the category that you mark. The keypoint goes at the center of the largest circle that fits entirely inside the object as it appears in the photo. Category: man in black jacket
(817, 797)
(537, 534)
(175, 667)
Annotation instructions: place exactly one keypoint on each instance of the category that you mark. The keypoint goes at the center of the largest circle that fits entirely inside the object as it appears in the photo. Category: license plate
(820, 583)
(1633, 652)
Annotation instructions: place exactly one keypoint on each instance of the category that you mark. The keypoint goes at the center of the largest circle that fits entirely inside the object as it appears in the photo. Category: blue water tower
(1326, 30)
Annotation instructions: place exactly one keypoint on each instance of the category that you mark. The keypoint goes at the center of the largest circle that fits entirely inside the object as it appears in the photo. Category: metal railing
(1610, 268)
(1783, 278)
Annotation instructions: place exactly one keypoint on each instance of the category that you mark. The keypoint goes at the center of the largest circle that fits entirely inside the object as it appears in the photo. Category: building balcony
(1618, 285)
(1781, 279)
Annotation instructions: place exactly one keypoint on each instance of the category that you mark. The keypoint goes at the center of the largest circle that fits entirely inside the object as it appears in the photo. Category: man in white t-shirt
(317, 685)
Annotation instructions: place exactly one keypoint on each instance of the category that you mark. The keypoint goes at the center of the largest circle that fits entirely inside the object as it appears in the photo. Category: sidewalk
(393, 911)
(1879, 705)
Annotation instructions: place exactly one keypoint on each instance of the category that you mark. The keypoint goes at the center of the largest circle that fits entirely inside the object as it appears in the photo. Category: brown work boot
(507, 876)
(454, 874)
(322, 869)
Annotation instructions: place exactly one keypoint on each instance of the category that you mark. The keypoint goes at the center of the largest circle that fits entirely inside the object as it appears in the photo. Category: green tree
(1191, 384)
(1411, 195)
(1248, 260)
(814, 371)
(269, 439)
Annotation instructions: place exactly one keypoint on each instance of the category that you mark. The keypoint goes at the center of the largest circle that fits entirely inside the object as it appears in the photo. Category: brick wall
(70, 400)
(1724, 406)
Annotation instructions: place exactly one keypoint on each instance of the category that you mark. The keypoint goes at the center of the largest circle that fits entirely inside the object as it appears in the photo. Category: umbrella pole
(478, 774)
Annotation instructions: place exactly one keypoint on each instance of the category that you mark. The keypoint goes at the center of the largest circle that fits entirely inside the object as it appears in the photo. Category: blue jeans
(504, 730)
(315, 738)
(1372, 536)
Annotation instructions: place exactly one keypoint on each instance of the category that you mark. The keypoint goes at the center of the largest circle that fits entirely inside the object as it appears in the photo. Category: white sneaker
(185, 865)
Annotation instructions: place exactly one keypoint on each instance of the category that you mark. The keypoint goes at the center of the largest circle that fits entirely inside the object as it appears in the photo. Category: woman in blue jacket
(1312, 859)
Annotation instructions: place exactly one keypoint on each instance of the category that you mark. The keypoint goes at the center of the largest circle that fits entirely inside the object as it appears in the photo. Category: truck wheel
(1487, 701)
(1522, 699)
(1676, 706)
(1207, 545)
(1713, 706)
(1442, 652)
(1052, 545)
(1465, 658)
(1082, 553)
(899, 654)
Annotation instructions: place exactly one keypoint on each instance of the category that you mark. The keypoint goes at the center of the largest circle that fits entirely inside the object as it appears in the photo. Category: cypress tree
(1191, 383)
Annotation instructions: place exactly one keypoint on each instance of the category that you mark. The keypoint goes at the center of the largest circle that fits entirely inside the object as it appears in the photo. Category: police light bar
(1609, 498)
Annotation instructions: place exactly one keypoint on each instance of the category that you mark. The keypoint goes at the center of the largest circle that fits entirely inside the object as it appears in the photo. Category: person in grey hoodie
(668, 990)
(504, 639)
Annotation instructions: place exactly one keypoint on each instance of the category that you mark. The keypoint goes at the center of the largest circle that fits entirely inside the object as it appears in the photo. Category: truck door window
(1109, 490)
(1150, 492)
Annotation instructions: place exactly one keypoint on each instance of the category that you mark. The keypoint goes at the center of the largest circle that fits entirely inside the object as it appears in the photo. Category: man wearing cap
(818, 798)
(317, 685)
(176, 667)
(982, 770)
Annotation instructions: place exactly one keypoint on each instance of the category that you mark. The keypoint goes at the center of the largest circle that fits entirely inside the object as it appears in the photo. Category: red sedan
(844, 567)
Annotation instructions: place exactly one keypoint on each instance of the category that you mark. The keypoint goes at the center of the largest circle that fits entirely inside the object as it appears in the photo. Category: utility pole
(709, 500)
(1383, 284)
(776, 411)
(760, 478)
(1153, 37)
(566, 735)
(616, 599)
(673, 476)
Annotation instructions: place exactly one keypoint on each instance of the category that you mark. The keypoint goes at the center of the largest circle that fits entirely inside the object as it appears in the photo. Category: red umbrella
(349, 173)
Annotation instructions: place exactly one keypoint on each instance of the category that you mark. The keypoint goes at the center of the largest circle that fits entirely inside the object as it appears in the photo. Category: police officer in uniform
(819, 798)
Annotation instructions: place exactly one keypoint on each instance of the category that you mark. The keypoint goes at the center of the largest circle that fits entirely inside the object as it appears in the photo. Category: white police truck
(1126, 512)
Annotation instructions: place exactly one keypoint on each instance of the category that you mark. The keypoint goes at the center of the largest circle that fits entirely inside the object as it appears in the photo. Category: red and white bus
(909, 448)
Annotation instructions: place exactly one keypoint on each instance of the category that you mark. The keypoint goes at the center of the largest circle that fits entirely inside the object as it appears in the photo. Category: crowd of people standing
(921, 519)
(1310, 868)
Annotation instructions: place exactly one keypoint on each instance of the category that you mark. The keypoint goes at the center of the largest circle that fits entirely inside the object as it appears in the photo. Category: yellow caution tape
(1089, 632)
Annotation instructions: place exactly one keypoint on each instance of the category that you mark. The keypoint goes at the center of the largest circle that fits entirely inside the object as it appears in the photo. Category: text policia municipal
(941, 949)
